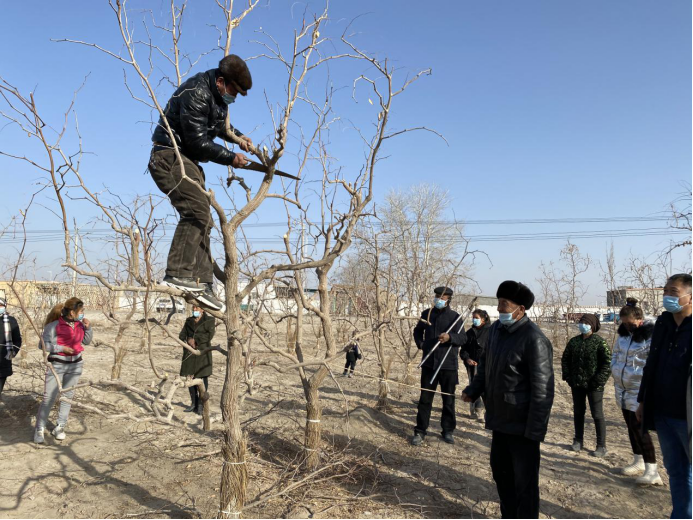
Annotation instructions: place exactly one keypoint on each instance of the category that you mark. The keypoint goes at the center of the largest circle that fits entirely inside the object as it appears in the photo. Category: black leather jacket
(516, 375)
(197, 114)
(426, 336)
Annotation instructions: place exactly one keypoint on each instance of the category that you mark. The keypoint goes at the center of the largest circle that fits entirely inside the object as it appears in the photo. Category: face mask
(439, 303)
(476, 322)
(80, 317)
(228, 98)
(196, 314)
(584, 328)
(671, 304)
(506, 318)
(2, 311)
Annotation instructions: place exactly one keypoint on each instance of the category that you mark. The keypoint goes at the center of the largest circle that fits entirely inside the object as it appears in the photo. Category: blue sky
(551, 109)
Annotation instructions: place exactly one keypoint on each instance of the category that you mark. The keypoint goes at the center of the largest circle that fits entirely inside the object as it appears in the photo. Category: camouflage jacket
(586, 363)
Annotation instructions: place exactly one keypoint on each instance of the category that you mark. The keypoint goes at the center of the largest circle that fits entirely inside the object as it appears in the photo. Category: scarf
(7, 329)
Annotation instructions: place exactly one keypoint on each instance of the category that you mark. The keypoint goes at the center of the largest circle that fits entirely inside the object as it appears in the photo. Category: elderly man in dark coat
(516, 376)
(435, 326)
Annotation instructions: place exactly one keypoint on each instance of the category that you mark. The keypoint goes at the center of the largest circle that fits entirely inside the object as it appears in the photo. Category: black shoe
(447, 437)
(198, 410)
(208, 299)
(577, 446)
(416, 440)
(473, 414)
(190, 408)
(184, 284)
(600, 452)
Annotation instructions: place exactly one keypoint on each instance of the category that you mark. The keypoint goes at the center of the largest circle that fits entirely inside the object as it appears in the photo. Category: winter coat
(61, 333)
(476, 343)
(196, 114)
(353, 353)
(671, 347)
(627, 363)
(515, 374)
(426, 336)
(586, 363)
(202, 332)
(15, 340)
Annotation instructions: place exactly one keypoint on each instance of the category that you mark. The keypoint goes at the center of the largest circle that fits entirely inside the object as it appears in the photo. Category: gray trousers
(69, 376)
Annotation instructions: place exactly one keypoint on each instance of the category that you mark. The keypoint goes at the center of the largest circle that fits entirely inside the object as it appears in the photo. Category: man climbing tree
(196, 115)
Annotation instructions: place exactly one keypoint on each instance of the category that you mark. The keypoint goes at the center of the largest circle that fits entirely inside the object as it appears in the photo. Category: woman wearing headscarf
(586, 364)
(197, 332)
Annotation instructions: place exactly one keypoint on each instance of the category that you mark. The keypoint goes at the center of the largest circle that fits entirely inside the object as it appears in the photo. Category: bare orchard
(134, 467)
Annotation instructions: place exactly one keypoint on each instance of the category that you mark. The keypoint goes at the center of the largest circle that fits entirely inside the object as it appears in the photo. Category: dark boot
(193, 399)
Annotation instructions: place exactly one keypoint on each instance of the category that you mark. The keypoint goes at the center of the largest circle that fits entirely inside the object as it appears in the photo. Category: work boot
(417, 439)
(208, 299)
(38, 436)
(651, 476)
(183, 284)
(600, 452)
(59, 432)
(190, 408)
(637, 467)
(447, 437)
(345, 373)
(577, 446)
(351, 374)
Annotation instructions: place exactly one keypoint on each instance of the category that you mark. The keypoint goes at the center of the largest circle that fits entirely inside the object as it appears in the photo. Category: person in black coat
(198, 331)
(10, 342)
(353, 352)
(431, 329)
(477, 337)
(516, 375)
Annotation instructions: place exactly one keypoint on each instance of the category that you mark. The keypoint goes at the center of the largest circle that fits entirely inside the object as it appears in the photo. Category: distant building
(650, 299)
(38, 295)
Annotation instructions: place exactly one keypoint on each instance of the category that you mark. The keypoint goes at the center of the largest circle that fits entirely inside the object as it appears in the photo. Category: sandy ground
(109, 468)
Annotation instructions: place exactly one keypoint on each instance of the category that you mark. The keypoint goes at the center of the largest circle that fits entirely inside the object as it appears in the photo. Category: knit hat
(592, 320)
(234, 70)
(516, 292)
(442, 291)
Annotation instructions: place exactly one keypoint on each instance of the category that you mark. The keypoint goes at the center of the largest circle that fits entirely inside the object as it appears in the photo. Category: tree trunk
(313, 430)
(234, 472)
(384, 386)
(409, 376)
(204, 396)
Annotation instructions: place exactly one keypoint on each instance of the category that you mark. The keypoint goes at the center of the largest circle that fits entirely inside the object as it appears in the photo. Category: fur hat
(516, 292)
(234, 70)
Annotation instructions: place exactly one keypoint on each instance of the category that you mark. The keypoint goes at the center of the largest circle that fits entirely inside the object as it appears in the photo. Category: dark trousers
(350, 364)
(515, 467)
(190, 253)
(479, 403)
(595, 400)
(447, 379)
(640, 441)
(195, 395)
(2, 383)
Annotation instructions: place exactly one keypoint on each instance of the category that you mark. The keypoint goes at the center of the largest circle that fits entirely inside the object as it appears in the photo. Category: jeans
(673, 438)
(448, 380)
(596, 409)
(69, 376)
(515, 466)
(190, 254)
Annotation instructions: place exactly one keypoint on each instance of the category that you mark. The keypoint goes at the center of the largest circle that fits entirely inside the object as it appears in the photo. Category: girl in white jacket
(627, 362)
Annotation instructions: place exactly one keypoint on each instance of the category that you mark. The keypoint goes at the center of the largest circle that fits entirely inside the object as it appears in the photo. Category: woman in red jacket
(65, 333)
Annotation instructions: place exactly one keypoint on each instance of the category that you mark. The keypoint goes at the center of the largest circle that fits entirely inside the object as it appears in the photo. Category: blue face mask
(506, 318)
(80, 317)
(439, 303)
(228, 98)
(196, 314)
(476, 322)
(584, 328)
(2, 311)
(671, 304)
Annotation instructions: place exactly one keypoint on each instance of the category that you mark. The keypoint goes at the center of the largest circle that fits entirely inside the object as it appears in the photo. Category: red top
(70, 335)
